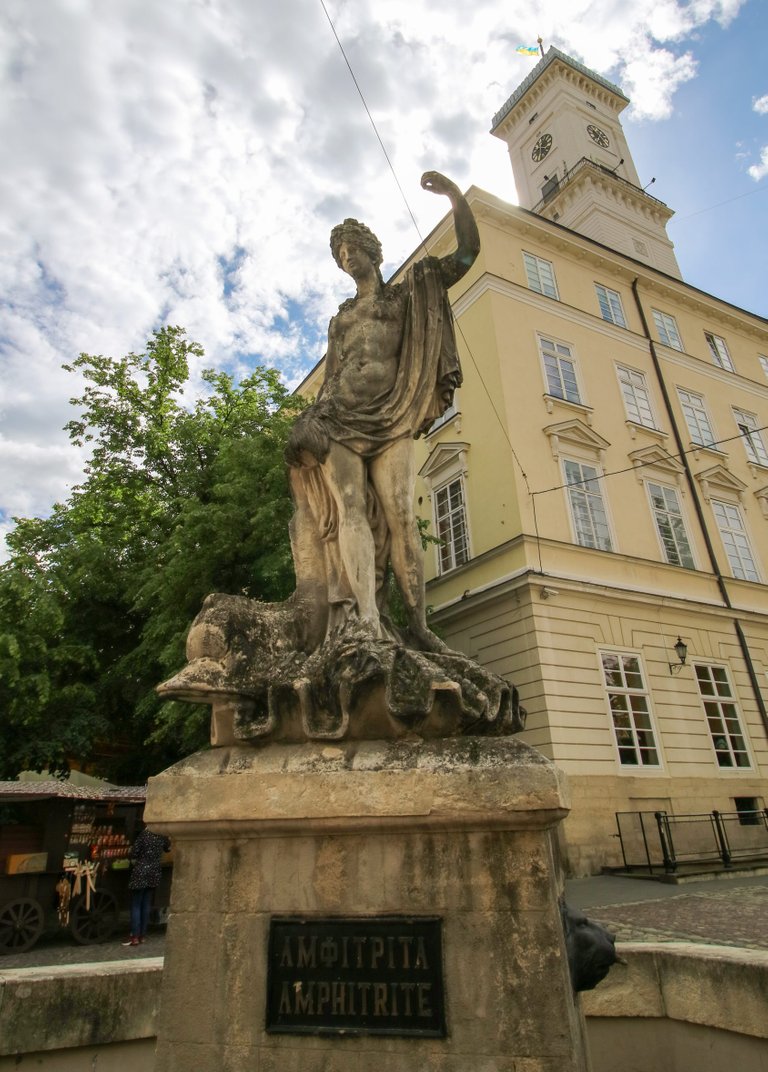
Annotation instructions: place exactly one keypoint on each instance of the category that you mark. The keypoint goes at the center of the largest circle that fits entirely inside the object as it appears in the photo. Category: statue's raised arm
(457, 264)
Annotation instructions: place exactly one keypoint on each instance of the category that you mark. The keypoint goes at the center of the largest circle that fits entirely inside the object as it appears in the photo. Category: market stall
(64, 859)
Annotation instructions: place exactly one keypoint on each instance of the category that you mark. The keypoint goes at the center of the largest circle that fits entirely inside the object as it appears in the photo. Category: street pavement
(729, 910)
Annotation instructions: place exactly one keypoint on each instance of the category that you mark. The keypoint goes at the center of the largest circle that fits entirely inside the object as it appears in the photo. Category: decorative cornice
(575, 433)
(588, 173)
(556, 63)
(444, 455)
(720, 478)
(656, 458)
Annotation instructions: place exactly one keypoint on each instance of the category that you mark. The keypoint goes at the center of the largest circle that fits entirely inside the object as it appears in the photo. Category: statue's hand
(439, 184)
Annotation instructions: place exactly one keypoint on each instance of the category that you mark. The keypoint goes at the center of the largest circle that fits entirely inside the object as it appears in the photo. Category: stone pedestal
(459, 829)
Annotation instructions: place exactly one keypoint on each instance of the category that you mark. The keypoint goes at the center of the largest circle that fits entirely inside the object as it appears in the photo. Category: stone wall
(673, 1007)
(76, 1018)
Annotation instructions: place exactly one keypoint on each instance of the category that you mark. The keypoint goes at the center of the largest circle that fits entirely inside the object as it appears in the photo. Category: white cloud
(760, 105)
(184, 163)
(759, 171)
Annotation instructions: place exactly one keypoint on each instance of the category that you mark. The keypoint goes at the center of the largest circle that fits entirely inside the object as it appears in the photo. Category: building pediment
(654, 460)
(576, 436)
(719, 480)
(445, 459)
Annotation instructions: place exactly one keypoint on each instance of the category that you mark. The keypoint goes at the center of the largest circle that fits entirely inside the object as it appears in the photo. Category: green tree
(95, 600)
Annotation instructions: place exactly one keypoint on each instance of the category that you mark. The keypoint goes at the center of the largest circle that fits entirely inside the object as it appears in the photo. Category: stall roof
(53, 787)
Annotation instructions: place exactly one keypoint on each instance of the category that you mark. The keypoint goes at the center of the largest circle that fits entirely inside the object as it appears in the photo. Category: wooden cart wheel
(21, 924)
(94, 924)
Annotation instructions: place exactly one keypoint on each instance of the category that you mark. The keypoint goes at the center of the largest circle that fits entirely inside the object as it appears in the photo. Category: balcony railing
(657, 841)
(554, 185)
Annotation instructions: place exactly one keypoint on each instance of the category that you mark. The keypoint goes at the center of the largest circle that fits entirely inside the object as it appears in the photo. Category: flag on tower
(527, 50)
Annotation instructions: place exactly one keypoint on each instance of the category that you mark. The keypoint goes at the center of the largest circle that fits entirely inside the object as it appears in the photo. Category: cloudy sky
(183, 162)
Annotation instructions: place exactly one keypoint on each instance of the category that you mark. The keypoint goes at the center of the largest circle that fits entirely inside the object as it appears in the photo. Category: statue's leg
(393, 475)
(346, 478)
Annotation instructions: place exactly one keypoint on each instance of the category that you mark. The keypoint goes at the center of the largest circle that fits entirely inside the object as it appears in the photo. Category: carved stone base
(457, 833)
(246, 662)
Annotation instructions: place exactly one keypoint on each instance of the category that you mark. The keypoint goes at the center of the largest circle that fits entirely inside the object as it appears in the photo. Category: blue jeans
(141, 901)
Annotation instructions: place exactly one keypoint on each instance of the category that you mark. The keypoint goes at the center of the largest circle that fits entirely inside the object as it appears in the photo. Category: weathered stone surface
(247, 661)
(495, 781)
(78, 1005)
(457, 828)
(329, 663)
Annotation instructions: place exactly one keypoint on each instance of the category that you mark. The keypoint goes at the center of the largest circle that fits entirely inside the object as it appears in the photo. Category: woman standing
(146, 857)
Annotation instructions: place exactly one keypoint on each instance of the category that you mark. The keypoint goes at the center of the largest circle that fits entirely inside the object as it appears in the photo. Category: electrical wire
(421, 238)
(467, 347)
(373, 124)
(633, 468)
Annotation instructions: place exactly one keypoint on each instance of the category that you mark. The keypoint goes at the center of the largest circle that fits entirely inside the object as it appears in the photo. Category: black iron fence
(656, 840)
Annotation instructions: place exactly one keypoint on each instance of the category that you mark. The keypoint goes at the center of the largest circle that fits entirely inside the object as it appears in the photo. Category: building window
(637, 401)
(541, 275)
(722, 716)
(450, 412)
(666, 326)
(696, 418)
(749, 811)
(750, 433)
(628, 699)
(669, 521)
(590, 520)
(719, 351)
(763, 363)
(610, 305)
(451, 525)
(559, 370)
(734, 537)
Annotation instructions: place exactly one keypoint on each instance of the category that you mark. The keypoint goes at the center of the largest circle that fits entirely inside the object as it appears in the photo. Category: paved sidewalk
(730, 911)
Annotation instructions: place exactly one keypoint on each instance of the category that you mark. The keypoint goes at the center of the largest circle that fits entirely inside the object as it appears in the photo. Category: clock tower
(572, 164)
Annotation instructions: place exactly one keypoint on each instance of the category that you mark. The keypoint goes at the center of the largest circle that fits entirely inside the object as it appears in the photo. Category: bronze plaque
(361, 975)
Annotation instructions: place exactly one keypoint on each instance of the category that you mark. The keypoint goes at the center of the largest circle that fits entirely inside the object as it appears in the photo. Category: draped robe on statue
(428, 372)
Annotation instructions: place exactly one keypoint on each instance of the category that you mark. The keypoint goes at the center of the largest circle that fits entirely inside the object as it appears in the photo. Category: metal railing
(656, 840)
(556, 184)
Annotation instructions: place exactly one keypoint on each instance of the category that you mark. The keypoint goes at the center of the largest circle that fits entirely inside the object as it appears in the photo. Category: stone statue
(329, 663)
(391, 370)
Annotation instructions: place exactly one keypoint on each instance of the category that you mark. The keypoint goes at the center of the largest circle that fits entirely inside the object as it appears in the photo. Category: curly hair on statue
(354, 231)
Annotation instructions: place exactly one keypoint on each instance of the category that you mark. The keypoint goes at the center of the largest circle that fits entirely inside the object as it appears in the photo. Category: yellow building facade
(601, 486)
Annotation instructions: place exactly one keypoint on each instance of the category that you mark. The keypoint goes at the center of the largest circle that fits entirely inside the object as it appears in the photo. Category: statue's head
(356, 233)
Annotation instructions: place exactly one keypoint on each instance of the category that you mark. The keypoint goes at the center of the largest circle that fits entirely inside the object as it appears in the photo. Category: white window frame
(735, 540)
(586, 504)
(629, 707)
(751, 437)
(719, 351)
(449, 414)
(677, 540)
(447, 557)
(560, 370)
(696, 418)
(534, 268)
(666, 325)
(637, 398)
(609, 302)
(763, 363)
(727, 737)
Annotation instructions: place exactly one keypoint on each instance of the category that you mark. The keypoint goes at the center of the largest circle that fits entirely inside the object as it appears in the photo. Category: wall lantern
(681, 651)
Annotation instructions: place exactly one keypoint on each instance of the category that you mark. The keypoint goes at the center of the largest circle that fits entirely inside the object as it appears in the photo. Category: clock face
(598, 136)
(542, 147)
